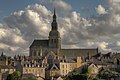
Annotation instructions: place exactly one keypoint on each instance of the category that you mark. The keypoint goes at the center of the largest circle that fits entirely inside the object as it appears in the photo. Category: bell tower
(54, 35)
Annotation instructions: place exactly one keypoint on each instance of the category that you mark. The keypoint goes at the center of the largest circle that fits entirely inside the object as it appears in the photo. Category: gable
(59, 78)
(54, 67)
(50, 54)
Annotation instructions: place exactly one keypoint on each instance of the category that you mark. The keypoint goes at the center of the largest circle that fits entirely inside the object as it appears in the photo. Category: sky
(8, 7)
(82, 24)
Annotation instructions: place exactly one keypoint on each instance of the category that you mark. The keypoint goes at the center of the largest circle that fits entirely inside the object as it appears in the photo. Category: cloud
(61, 4)
(22, 27)
(103, 46)
(101, 10)
(31, 23)
(112, 1)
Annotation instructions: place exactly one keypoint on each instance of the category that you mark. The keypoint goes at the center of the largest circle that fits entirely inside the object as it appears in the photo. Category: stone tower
(54, 36)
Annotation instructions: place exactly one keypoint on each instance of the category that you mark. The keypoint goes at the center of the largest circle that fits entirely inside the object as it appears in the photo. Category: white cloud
(2, 33)
(114, 1)
(118, 43)
(101, 10)
(103, 46)
(61, 4)
(8, 48)
(22, 27)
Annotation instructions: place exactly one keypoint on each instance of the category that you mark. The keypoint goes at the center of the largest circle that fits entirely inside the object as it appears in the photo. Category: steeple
(54, 23)
(54, 15)
(54, 35)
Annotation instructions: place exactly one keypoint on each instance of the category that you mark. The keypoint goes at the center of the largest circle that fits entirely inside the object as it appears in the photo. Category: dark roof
(69, 60)
(7, 67)
(42, 43)
(97, 55)
(108, 55)
(78, 52)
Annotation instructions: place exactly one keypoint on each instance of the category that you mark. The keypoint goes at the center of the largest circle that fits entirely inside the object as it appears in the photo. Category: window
(34, 53)
(26, 70)
(29, 70)
(54, 40)
(33, 70)
(38, 53)
(62, 66)
(41, 70)
(66, 71)
(63, 72)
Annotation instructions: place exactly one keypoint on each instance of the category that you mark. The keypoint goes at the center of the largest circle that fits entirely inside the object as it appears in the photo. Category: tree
(10, 77)
(77, 77)
(17, 74)
(29, 78)
(14, 76)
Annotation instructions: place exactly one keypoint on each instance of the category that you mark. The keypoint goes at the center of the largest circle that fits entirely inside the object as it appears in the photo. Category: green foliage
(97, 79)
(77, 77)
(17, 74)
(29, 78)
(84, 71)
(107, 75)
(14, 76)
(11, 77)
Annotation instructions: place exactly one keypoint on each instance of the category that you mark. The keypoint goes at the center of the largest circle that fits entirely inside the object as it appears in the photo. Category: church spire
(54, 23)
(54, 35)
(54, 11)
(54, 15)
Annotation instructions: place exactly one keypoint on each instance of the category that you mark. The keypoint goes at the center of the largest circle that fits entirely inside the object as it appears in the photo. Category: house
(92, 70)
(68, 65)
(33, 68)
(5, 70)
(3, 60)
(52, 71)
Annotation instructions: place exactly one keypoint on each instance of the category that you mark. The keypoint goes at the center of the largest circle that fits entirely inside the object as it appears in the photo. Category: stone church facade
(41, 48)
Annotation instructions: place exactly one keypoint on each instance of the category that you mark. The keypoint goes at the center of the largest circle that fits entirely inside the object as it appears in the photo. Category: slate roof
(42, 43)
(69, 60)
(7, 67)
(30, 64)
(66, 52)
(78, 52)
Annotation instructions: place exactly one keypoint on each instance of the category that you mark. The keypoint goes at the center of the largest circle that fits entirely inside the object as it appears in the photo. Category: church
(53, 45)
